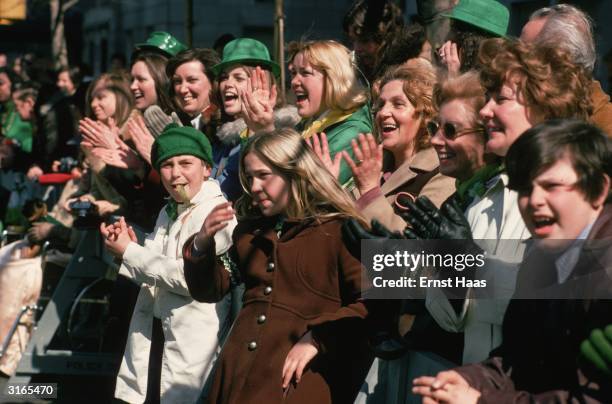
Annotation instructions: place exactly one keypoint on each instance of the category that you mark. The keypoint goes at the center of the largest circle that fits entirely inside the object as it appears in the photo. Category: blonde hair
(314, 192)
(119, 85)
(418, 79)
(342, 89)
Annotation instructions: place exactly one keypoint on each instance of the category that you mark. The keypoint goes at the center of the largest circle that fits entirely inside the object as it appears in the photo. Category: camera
(86, 214)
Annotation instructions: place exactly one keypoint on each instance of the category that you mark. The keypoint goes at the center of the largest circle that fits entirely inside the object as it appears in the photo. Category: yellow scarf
(327, 119)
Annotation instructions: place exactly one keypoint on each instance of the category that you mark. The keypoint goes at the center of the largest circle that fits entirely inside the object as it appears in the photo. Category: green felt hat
(178, 140)
(488, 15)
(160, 41)
(246, 51)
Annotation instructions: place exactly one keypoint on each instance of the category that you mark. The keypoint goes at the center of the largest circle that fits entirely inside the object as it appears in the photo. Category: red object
(55, 178)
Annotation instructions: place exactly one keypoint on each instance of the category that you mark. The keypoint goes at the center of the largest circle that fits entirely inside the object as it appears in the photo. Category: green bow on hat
(162, 42)
(178, 140)
(246, 51)
(488, 15)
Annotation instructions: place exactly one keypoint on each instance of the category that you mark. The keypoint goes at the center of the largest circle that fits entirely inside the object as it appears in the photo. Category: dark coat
(305, 280)
(539, 358)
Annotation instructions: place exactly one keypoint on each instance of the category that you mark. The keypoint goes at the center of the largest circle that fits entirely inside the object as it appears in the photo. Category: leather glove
(353, 232)
(597, 349)
(427, 222)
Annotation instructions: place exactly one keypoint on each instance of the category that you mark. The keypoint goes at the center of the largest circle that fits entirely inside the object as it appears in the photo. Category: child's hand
(298, 358)
(448, 387)
(117, 237)
(216, 220)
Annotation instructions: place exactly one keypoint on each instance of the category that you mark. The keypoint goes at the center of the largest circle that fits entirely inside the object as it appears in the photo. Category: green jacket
(14, 128)
(339, 138)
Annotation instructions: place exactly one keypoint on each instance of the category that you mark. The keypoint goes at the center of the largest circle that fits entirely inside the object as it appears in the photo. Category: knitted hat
(161, 42)
(488, 15)
(246, 51)
(180, 140)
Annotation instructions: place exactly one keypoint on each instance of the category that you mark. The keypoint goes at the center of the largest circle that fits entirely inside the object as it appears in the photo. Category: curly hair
(342, 90)
(419, 79)
(377, 24)
(550, 84)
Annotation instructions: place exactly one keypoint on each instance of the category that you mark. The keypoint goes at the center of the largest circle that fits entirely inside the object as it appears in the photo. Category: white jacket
(193, 331)
(495, 219)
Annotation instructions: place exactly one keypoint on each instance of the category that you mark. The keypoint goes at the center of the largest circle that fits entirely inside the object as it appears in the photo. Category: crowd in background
(248, 286)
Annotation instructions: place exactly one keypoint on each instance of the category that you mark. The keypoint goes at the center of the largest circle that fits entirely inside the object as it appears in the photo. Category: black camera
(86, 214)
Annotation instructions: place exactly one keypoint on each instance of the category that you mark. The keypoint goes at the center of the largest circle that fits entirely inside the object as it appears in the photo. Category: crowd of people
(249, 287)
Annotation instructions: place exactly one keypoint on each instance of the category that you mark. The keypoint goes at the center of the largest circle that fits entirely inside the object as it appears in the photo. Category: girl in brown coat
(300, 335)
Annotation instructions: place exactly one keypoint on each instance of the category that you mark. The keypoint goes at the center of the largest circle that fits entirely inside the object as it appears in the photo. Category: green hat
(488, 15)
(178, 140)
(246, 51)
(163, 42)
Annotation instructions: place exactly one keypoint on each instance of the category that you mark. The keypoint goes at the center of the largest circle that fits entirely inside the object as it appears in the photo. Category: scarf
(476, 185)
(327, 119)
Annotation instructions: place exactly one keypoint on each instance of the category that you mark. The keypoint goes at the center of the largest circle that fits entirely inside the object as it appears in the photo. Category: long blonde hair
(342, 89)
(314, 192)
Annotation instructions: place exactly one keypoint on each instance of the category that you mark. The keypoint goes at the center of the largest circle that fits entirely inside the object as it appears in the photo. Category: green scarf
(172, 209)
(476, 185)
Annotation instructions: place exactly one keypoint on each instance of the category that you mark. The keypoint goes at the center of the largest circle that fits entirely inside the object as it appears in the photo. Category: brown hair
(156, 64)
(465, 87)
(119, 85)
(418, 79)
(549, 83)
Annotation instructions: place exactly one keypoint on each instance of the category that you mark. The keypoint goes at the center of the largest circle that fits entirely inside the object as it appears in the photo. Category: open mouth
(540, 222)
(388, 128)
(229, 97)
(446, 155)
(301, 96)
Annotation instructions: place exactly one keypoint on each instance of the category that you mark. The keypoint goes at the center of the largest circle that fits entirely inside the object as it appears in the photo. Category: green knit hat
(488, 15)
(161, 42)
(246, 51)
(180, 140)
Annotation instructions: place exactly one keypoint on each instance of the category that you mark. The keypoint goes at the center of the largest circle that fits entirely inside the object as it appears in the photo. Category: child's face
(183, 176)
(554, 208)
(269, 189)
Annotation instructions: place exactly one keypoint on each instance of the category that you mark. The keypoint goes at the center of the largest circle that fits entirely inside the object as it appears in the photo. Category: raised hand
(217, 219)
(258, 102)
(367, 169)
(142, 138)
(119, 158)
(116, 237)
(318, 144)
(597, 349)
(449, 56)
(97, 134)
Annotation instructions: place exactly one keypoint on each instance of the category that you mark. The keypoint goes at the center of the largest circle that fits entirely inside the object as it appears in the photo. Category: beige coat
(378, 204)
(193, 331)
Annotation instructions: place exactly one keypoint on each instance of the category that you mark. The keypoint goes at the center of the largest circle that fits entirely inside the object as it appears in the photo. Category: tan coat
(305, 280)
(379, 203)
(602, 109)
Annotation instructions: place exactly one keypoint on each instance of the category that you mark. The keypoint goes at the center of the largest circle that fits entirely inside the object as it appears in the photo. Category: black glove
(353, 232)
(429, 222)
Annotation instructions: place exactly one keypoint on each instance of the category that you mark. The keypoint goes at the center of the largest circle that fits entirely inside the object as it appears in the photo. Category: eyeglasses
(449, 131)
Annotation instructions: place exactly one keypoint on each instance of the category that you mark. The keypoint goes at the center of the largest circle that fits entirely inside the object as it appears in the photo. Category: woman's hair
(119, 85)
(587, 147)
(314, 192)
(406, 44)
(466, 88)
(377, 24)
(418, 80)
(342, 89)
(208, 58)
(549, 83)
(156, 64)
(26, 89)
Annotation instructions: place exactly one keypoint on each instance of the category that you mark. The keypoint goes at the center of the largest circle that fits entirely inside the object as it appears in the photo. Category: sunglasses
(449, 131)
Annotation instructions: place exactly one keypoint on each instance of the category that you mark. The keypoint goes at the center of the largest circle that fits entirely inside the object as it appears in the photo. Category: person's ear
(207, 169)
(601, 199)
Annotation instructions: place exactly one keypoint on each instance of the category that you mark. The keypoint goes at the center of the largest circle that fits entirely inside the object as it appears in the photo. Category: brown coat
(602, 108)
(307, 279)
(419, 176)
